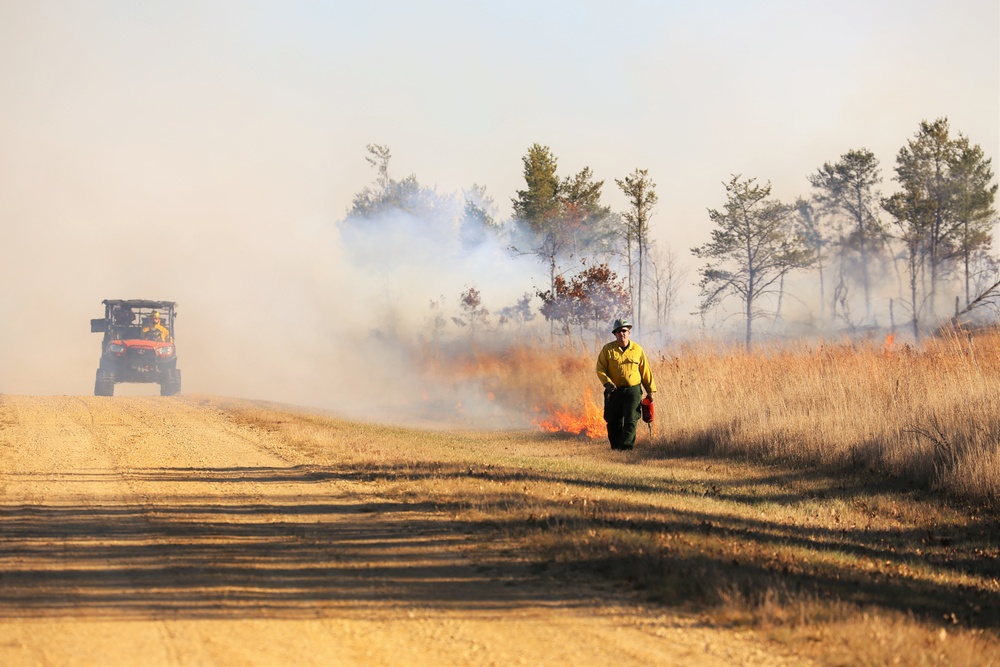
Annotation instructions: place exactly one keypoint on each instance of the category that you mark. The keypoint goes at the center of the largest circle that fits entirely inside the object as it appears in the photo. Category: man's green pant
(621, 412)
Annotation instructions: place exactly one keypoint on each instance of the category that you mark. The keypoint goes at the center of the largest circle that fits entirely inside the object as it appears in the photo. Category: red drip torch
(647, 410)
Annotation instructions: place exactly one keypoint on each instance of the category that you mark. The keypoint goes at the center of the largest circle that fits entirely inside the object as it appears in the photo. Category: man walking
(624, 371)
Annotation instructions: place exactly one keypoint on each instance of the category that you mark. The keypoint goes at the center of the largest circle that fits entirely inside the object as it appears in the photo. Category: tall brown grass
(928, 415)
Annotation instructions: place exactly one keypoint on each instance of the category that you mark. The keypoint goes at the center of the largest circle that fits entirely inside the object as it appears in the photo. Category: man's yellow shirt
(625, 368)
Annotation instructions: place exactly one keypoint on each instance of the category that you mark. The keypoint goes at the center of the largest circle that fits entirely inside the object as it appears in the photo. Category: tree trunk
(631, 286)
(781, 297)
(965, 257)
(822, 292)
(913, 297)
(638, 314)
(751, 284)
(865, 275)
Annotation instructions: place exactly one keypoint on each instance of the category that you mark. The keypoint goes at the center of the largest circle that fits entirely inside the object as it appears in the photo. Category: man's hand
(609, 389)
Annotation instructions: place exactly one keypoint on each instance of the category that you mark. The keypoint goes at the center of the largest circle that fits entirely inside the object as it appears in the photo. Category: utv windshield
(127, 322)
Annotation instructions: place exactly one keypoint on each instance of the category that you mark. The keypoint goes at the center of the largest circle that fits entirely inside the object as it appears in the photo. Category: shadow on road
(307, 554)
(305, 550)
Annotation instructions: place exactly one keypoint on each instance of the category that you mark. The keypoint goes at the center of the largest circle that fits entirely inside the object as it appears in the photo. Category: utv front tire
(104, 385)
(171, 382)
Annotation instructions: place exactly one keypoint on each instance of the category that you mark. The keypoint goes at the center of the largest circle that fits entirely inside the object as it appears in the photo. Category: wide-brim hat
(620, 324)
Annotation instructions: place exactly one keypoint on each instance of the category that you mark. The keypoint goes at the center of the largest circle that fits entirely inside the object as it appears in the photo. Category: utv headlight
(116, 348)
(165, 351)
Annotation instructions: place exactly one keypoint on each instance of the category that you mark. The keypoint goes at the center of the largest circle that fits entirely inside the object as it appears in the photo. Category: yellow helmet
(155, 315)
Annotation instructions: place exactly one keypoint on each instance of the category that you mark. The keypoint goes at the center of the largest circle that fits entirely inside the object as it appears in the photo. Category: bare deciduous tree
(666, 275)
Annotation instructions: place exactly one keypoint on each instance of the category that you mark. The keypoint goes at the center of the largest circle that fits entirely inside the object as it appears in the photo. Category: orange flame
(890, 343)
(588, 421)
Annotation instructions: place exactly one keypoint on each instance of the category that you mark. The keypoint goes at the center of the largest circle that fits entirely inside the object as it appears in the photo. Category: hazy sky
(199, 151)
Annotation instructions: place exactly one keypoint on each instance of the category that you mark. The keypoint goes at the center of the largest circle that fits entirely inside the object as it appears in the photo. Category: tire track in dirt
(156, 530)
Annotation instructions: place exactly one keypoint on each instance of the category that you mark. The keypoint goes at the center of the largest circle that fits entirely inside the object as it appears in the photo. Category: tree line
(935, 230)
(600, 264)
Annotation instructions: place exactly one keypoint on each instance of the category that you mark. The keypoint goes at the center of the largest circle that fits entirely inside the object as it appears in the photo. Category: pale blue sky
(196, 130)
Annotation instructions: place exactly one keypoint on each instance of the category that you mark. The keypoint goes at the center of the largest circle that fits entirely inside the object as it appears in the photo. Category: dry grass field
(839, 499)
(927, 417)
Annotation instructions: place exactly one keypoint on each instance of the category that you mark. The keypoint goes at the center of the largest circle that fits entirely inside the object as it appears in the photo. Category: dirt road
(141, 530)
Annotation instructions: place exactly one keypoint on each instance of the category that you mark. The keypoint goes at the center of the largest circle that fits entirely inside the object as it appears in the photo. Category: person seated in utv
(122, 317)
(154, 330)
(121, 320)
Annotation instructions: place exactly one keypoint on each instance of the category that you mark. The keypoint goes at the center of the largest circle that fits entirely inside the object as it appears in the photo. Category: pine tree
(944, 208)
(846, 188)
(753, 247)
(641, 193)
(558, 219)
(538, 205)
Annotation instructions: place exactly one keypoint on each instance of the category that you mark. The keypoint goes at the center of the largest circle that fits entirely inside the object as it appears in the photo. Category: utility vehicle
(134, 348)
